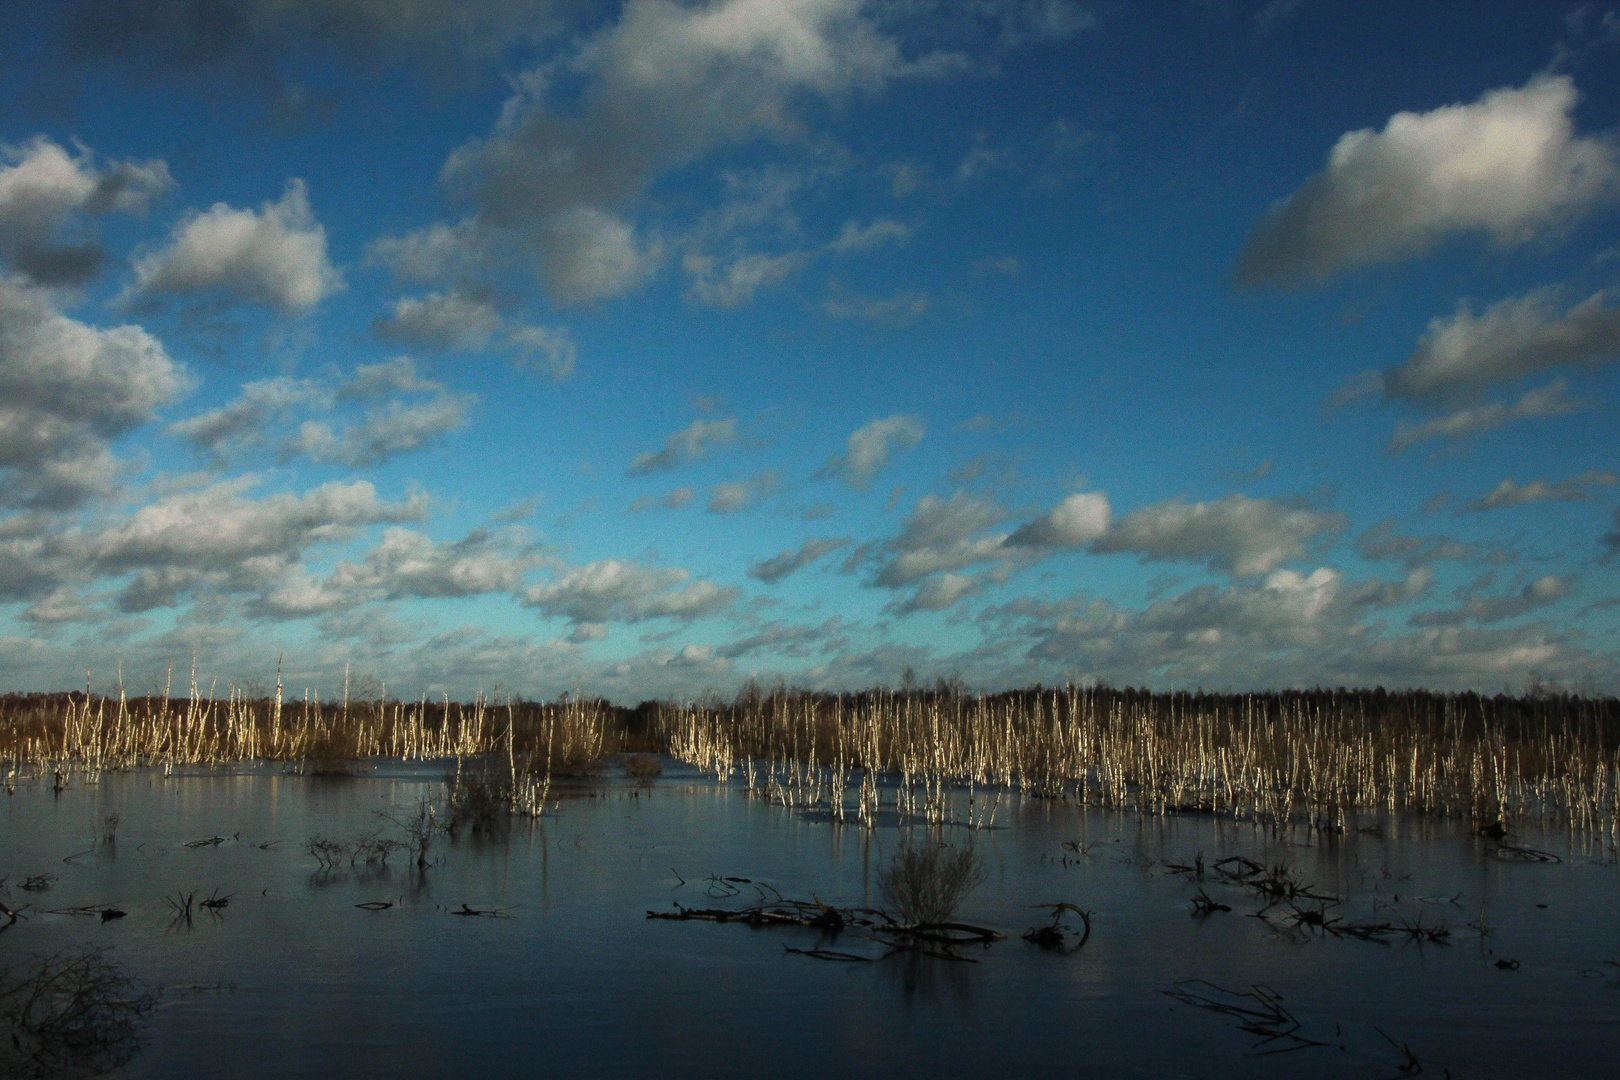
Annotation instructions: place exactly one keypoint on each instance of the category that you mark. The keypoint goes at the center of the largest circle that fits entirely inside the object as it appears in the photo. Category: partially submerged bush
(927, 882)
(421, 827)
(329, 753)
(642, 766)
(73, 1014)
(477, 796)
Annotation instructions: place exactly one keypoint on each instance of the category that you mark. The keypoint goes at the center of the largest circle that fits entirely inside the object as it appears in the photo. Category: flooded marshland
(1392, 942)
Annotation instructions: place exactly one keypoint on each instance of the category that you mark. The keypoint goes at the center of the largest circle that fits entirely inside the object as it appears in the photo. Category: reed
(938, 756)
(78, 735)
(1283, 759)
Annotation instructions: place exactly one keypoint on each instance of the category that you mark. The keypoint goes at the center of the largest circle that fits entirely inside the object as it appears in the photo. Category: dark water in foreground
(293, 979)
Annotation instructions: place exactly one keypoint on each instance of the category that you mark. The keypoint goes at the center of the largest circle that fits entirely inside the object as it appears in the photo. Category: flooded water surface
(563, 972)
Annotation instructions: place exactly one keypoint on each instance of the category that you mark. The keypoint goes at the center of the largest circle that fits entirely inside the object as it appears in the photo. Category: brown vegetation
(1284, 758)
(926, 882)
(1318, 755)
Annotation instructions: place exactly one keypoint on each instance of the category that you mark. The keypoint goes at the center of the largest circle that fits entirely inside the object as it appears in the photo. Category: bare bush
(927, 882)
(76, 1013)
(477, 796)
(326, 852)
(421, 827)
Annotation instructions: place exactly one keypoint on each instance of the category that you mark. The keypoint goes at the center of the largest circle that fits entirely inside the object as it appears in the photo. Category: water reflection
(332, 989)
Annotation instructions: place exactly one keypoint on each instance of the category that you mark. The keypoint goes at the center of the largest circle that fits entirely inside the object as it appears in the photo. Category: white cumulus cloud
(1509, 165)
(1464, 353)
(867, 451)
(275, 256)
(1573, 489)
(1239, 535)
(784, 563)
(45, 191)
(1540, 403)
(615, 590)
(688, 444)
(66, 388)
(1075, 522)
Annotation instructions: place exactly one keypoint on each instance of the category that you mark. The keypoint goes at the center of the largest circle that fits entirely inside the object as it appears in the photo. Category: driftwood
(1516, 853)
(105, 911)
(788, 913)
(1322, 917)
(830, 954)
(1260, 1012)
(938, 939)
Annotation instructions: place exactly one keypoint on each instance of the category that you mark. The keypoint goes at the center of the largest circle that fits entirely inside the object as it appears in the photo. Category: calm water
(292, 978)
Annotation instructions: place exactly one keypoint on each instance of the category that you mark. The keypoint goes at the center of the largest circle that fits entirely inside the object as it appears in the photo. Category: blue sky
(645, 349)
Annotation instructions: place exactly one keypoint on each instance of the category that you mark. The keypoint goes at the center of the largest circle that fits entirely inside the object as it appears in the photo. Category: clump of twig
(38, 883)
(107, 827)
(1260, 1012)
(325, 851)
(74, 1012)
(1413, 930)
(642, 766)
(1409, 1065)
(1277, 882)
(1196, 869)
(1055, 934)
(373, 850)
(421, 827)
(1305, 917)
(926, 883)
(180, 905)
(1204, 904)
